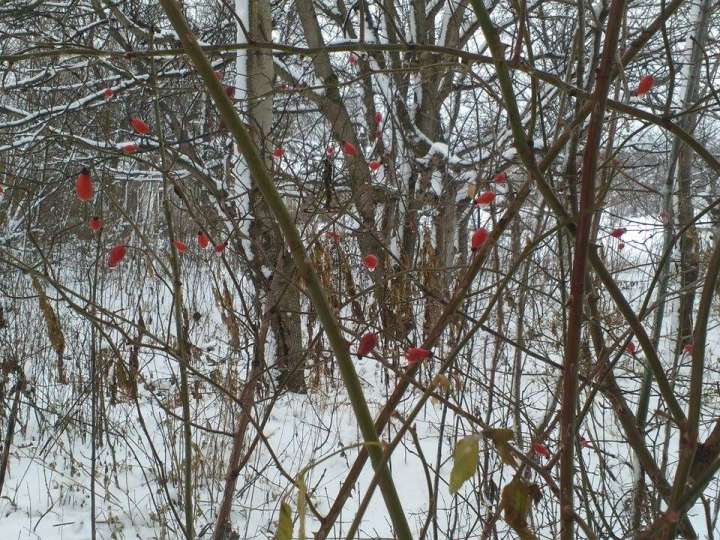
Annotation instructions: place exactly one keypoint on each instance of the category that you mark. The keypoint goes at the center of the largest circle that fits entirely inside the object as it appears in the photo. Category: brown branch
(568, 420)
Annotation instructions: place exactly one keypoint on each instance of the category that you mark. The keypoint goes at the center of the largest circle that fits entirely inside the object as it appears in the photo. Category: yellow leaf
(442, 381)
(285, 523)
(465, 458)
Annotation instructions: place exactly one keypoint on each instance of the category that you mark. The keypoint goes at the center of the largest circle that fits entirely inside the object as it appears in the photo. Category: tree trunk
(689, 248)
(270, 247)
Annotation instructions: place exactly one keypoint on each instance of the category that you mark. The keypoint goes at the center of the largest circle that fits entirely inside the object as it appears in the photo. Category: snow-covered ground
(47, 493)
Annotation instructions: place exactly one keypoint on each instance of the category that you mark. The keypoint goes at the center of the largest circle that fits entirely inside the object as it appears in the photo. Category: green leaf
(302, 494)
(517, 499)
(501, 439)
(285, 523)
(465, 458)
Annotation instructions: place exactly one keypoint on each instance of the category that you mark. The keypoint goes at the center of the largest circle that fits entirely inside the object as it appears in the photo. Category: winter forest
(359, 269)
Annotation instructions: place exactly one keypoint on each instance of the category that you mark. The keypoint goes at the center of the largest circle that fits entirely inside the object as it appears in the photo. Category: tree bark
(285, 323)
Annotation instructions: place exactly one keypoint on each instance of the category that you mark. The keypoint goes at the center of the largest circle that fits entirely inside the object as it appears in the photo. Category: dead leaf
(517, 499)
(501, 439)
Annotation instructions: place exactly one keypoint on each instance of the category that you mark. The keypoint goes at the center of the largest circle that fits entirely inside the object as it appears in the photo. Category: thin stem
(179, 326)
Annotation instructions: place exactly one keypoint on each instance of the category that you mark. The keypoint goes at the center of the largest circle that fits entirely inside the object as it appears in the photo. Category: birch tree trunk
(682, 168)
(270, 254)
